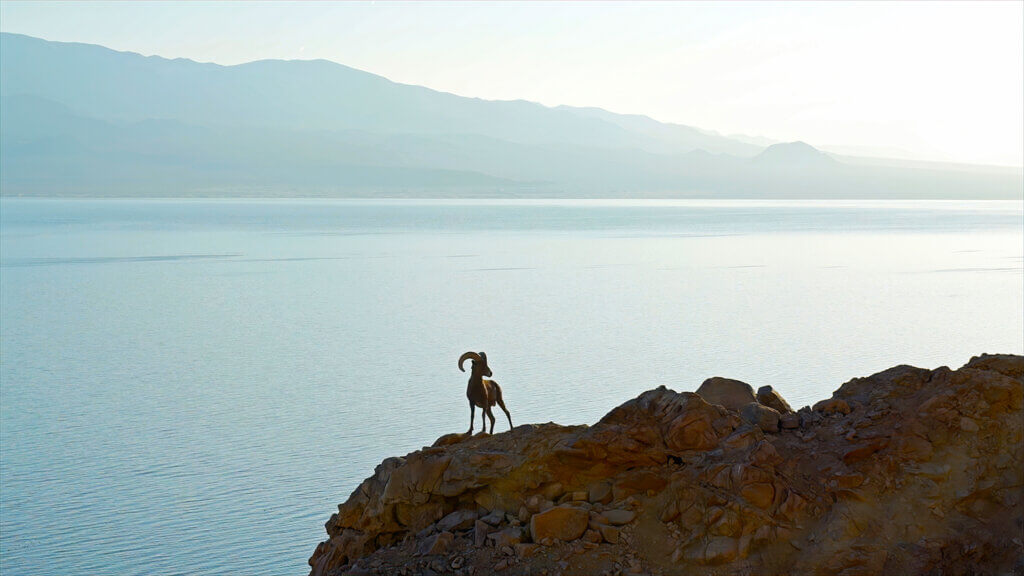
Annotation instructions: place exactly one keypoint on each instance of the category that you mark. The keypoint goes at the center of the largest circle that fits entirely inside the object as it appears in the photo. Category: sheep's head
(479, 363)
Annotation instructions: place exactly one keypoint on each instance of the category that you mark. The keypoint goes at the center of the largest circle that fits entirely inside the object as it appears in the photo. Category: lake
(192, 386)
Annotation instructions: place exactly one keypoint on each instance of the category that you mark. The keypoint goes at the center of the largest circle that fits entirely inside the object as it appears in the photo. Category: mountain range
(84, 120)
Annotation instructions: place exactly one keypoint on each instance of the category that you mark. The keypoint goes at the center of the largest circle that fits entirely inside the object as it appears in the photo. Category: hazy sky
(940, 81)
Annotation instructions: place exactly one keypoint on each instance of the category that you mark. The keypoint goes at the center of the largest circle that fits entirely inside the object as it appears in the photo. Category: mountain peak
(798, 151)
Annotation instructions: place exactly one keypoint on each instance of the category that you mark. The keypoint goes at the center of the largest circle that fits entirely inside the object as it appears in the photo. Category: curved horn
(468, 356)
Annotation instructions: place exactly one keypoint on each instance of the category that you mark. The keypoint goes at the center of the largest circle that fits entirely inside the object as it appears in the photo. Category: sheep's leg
(502, 404)
(472, 416)
(491, 416)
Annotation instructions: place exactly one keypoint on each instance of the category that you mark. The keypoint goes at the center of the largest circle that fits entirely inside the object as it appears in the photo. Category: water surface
(192, 386)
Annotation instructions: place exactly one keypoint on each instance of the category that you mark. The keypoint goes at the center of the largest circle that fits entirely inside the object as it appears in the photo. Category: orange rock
(553, 491)
(436, 544)
(861, 452)
(760, 495)
(637, 482)
(564, 523)
(767, 396)
(692, 430)
(729, 524)
(913, 447)
(793, 505)
(610, 534)
(764, 417)
(833, 406)
(742, 438)
(417, 517)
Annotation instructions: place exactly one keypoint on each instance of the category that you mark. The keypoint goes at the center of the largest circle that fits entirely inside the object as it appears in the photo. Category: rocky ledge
(908, 471)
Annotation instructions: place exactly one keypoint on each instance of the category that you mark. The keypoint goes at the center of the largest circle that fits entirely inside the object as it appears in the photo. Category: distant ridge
(794, 152)
(84, 120)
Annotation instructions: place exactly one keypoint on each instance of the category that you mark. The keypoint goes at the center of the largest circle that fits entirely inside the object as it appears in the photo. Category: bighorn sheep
(482, 393)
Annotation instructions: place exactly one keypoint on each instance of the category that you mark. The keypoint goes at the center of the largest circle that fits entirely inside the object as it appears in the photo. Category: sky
(932, 81)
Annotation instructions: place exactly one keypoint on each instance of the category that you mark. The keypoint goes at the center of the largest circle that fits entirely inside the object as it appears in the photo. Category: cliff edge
(908, 471)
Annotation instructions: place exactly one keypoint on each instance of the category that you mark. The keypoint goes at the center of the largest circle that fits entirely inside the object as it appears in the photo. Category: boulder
(767, 396)
(507, 537)
(732, 394)
(789, 421)
(564, 523)
(494, 517)
(523, 515)
(609, 534)
(618, 517)
(699, 426)
(457, 520)
(480, 532)
(436, 544)
(765, 418)
(553, 491)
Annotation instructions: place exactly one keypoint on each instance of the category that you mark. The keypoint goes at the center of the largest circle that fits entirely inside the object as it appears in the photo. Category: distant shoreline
(524, 198)
(548, 200)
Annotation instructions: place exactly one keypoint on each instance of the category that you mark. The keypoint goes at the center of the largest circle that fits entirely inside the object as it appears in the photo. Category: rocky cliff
(908, 471)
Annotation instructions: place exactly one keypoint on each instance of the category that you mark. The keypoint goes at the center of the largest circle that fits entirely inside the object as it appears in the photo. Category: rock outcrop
(767, 396)
(732, 394)
(908, 471)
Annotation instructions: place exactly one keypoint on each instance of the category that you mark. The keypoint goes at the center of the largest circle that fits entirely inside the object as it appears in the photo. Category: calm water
(191, 387)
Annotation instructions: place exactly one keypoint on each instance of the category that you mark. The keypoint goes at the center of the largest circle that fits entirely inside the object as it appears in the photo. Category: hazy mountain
(755, 140)
(79, 119)
(300, 95)
(794, 154)
(675, 137)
